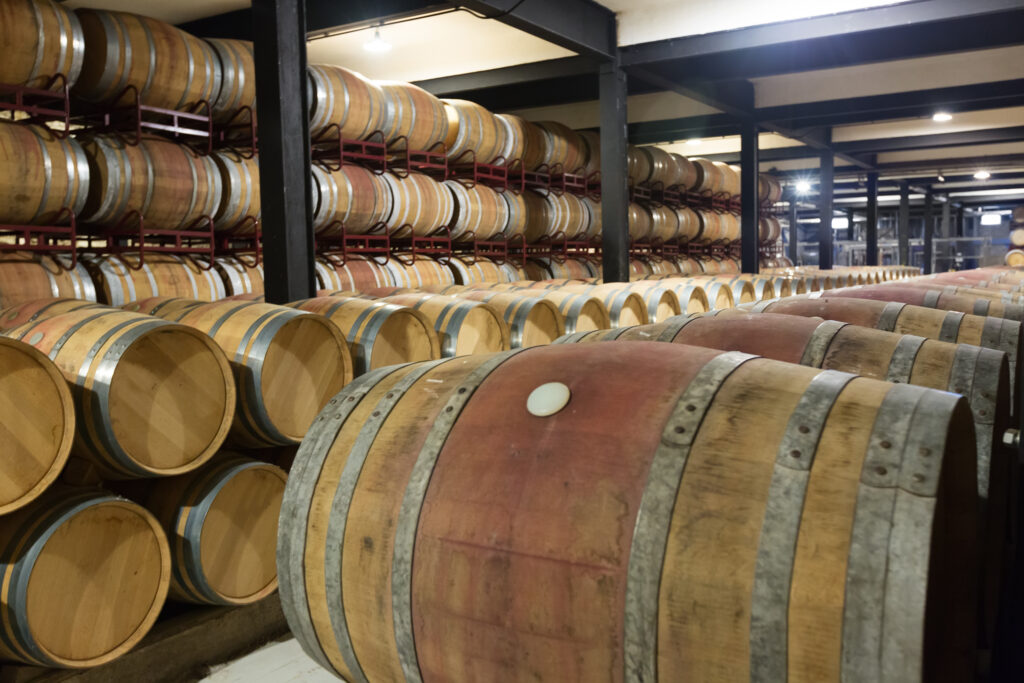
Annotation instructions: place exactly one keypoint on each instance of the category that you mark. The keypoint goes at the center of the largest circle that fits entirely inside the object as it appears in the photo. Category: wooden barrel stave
(463, 327)
(42, 175)
(531, 321)
(413, 118)
(43, 39)
(351, 198)
(346, 99)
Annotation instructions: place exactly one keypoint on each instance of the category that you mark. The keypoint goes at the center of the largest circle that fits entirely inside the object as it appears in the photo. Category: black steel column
(871, 226)
(825, 211)
(945, 229)
(929, 229)
(279, 30)
(903, 229)
(750, 206)
(960, 221)
(850, 235)
(794, 230)
(614, 181)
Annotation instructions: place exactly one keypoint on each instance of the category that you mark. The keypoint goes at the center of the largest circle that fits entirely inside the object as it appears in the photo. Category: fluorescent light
(841, 223)
(694, 141)
(942, 116)
(982, 175)
(377, 44)
(991, 219)
(941, 178)
(802, 187)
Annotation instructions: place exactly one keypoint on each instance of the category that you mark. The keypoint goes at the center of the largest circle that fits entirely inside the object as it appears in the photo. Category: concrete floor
(278, 662)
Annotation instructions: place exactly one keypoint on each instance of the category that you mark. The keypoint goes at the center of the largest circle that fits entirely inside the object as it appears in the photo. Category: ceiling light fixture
(982, 175)
(377, 45)
(802, 187)
(694, 141)
(941, 178)
(942, 117)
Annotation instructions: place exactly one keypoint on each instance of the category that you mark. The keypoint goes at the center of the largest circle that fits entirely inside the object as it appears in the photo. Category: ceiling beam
(582, 26)
(906, 30)
(521, 74)
(322, 16)
(672, 130)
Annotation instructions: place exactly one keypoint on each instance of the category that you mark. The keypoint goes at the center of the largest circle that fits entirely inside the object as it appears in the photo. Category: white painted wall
(645, 20)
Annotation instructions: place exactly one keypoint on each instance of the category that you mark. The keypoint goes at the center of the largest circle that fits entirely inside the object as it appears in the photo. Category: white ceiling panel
(727, 145)
(952, 152)
(647, 107)
(645, 20)
(175, 12)
(963, 68)
(962, 122)
(431, 47)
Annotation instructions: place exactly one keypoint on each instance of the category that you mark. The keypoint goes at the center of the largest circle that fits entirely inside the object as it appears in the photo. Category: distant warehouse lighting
(840, 223)
(991, 219)
(802, 187)
(942, 116)
(982, 175)
(694, 141)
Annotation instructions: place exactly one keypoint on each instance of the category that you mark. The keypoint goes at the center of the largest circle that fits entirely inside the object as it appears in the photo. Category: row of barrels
(872, 469)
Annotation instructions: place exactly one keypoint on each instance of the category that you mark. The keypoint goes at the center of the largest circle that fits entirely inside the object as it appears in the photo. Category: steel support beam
(794, 231)
(584, 27)
(960, 221)
(614, 180)
(825, 212)
(905, 30)
(279, 27)
(947, 210)
(871, 226)
(903, 229)
(750, 206)
(929, 231)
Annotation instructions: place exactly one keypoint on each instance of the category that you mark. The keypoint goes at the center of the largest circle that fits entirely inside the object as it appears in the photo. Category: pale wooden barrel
(352, 198)
(469, 270)
(712, 179)
(563, 147)
(416, 271)
(641, 223)
(769, 229)
(524, 142)
(378, 333)
(592, 148)
(471, 127)
(354, 273)
(414, 114)
(665, 223)
(730, 223)
(288, 363)
(421, 205)
(595, 217)
(531, 321)
(581, 311)
(935, 298)
(152, 398)
(558, 216)
(663, 302)
(463, 327)
(239, 192)
(712, 226)
(169, 184)
(1014, 257)
(222, 525)
(625, 307)
(730, 178)
(343, 97)
(26, 277)
(638, 166)
(40, 175)
(85, 576)
(119, 281)
(688, 173)
(43, 39)
(690, 225)
(517, 214)
(664, 169)
(769, 189)
(170, 69)
(39, 425)
(692, 494)
(240, 275)
(237, 79)
(479, 212)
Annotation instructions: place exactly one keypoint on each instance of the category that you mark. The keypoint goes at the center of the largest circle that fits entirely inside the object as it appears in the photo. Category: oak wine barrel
(169, 184)
(287, 363)
(354, 273)
(237, 80)
(711, 178)
(447, 518)
(343, 98)
(151, 398)
(121, 279)
(665, 170)
(38, 427)
(931, 298)
(463, 327)
(416, 271)
(564, 149)
(351, 198)
(221, 522)
(472, 127)
(168, 67)
(469, 270)
(239, 206)
(531, 321)
(40, 175)
(524, 142)
(479, 212)
(41, 39)
(378, 333)
(27, 277)
(420, 205)
(85, 574)
(240, 275)
(592, 151)
(414, 119)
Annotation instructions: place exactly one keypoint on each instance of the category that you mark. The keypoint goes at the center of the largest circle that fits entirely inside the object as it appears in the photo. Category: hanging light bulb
(377, 44)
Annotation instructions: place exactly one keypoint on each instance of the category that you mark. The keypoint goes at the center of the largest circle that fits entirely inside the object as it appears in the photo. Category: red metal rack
(45, 239)
(569, 182)
(334, 151)
(241, 242)
(131, 120)
(132, 235)
(238, 133)
(432, 162)
(466, 169)
(48, 104)
(519, 179)
(342, 244)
